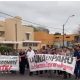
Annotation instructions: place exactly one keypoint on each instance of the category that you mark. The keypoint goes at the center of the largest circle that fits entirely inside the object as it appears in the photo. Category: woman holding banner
(30, 54)
(65, 52)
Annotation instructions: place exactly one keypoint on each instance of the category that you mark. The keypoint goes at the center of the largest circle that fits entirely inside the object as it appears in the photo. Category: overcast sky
(50, 14)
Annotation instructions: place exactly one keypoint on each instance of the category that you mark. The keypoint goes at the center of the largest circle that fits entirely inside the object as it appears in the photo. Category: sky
(51, 15)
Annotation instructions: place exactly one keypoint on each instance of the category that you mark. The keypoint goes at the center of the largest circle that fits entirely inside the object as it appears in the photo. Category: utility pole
(64, 27)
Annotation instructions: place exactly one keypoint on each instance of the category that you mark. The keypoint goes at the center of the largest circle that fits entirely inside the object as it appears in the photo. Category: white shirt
(30, 54)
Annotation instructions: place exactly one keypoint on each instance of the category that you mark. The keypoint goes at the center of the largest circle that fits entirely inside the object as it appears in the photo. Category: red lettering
(5, 67)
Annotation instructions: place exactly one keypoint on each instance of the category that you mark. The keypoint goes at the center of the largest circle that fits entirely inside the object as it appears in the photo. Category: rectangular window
(77, 38)
(27, 36)
(25, 44)
(30, 44)
(56, 37)
(35, 44)
(68, 37)
(2, 33)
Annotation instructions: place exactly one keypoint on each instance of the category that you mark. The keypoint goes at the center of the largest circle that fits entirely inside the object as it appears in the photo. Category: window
(68, 37)
(27, 36)
(1, 33)
(56, 37)
(30, 44)
(25, 44)
(35, 44)
(77, 38)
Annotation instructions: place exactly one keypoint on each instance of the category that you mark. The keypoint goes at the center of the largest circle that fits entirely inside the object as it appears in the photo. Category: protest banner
(52, 62)
(8, 63)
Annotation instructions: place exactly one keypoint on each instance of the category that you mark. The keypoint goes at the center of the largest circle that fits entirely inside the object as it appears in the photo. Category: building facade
(44, 37)
(56, 40)
(16, 35)
(68, 40)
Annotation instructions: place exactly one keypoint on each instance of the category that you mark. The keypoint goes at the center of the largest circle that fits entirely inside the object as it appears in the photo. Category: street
(17, 76)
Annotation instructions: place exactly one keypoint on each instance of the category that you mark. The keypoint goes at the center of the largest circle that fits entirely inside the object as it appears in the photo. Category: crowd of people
(73, 52)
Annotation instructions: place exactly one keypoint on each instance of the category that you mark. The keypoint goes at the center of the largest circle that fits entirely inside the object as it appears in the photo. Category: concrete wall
(44, 37)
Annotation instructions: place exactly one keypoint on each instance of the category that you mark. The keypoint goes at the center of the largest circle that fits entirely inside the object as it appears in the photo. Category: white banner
(52, 62)
(8, 63)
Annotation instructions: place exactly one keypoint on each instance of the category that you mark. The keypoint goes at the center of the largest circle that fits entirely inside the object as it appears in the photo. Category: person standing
(30, 54)
(77, 67)
(22, 56)
(68, 53)
(64, 52)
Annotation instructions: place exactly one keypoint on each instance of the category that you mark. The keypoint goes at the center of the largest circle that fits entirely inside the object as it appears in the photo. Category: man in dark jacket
(77, 68)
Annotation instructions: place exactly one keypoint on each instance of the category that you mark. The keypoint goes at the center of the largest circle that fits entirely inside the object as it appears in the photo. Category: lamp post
(64, 26)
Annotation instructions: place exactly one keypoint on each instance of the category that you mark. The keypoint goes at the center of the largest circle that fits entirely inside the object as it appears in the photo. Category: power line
(22, 19)
(29, 21)
(59, 29)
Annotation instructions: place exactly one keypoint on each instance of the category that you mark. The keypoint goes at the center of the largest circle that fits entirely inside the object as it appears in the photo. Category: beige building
(16, 35)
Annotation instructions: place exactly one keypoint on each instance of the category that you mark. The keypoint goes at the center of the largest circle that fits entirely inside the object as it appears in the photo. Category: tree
(57, 33)
(5, 49)
(41, 29)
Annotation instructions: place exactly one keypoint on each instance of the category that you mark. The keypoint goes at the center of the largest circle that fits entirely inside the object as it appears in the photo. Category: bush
(5, 49)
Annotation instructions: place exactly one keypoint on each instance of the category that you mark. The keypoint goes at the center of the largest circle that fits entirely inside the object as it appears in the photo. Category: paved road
(17, 76)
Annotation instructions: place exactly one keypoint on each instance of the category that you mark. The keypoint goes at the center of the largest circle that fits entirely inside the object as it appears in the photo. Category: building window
(25, 44)
(30, 44)
(56, 37)
(27, 36)
(77, 38)
(35, 44)
(68, 37)
(1, 33)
